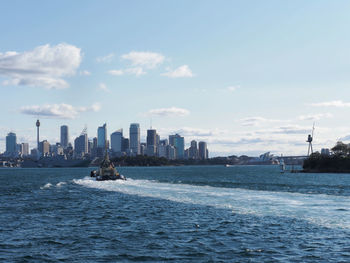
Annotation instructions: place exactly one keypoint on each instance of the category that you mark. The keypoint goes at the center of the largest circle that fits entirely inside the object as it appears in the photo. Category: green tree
(341, 149)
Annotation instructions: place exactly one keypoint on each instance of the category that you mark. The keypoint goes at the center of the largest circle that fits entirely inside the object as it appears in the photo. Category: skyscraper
(11, 143)
(64, 136)
(102, 136)
(125, 144)
(25, 149)
(134, 138)
(162, 148)
(44, 148)
(81, 145)
(151, 142)
(179, 143)
(202, 150)
(116, 141)
(193, 150)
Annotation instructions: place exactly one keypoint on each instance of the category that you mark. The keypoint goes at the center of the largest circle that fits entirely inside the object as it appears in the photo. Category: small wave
(46, 186)
(60, 184)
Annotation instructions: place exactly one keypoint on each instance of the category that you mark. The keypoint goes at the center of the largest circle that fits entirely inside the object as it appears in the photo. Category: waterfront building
(25, 149)
(44, 148)
(18, 149)
(151, 142)
(193, 150)
(81, 145)
(179, 143)
(34, 153)
(325, 151)
(162, 151)
(202, 150)
(170, 152)
(94, 147)
(90, 146)
(186, 154)
(157, 139)
(143, 148)
(116, 141)
(94, 142)
(102, 136)
(162, 148)
(134, 135)
(125, 145)
(11, 144)
(64, 136)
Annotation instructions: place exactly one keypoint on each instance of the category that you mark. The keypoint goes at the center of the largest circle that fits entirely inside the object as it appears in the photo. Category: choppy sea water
(175, 214)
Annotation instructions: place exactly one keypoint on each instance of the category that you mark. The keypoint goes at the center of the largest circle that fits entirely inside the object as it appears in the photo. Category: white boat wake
(326, 210)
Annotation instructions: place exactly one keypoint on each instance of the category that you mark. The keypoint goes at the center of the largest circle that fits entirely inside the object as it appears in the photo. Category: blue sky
(245, 76)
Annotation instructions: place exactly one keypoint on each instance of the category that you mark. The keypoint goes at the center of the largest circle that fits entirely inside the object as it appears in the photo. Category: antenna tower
(309, 140)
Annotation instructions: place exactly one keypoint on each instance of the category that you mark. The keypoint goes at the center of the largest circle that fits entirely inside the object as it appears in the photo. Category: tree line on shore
(338, 162)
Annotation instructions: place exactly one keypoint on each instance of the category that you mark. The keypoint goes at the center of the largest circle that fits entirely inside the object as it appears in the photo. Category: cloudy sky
(245, 76)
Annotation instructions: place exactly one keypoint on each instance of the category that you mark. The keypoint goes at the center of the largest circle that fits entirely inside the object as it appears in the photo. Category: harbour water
(175, 214)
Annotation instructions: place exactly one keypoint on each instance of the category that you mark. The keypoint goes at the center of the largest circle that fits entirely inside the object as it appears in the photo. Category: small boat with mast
(107, 171)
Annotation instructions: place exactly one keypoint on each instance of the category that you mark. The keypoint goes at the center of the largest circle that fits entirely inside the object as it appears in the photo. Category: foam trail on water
(325, 210)
(46, 186)
(60, 184)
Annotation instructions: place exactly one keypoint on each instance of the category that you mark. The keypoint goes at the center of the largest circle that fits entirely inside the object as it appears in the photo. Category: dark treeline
(338, 162)
(142, 160)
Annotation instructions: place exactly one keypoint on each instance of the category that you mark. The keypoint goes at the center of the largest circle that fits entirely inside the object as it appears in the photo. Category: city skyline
(245, 77)
(116, 144)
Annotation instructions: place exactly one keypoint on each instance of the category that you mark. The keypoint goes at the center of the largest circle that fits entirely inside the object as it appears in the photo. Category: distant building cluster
(171, 148)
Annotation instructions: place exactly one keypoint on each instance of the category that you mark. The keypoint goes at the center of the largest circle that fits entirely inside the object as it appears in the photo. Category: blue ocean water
(174, 214)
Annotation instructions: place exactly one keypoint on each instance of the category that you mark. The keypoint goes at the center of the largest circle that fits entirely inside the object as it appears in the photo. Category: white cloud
(315, 117)
(254, 121)
(105, 59)
(103, 87)
(165, 112)
(334, 103)
(137, 71)
(197, 132)
(60, 111)
(181, 72)
(44, 66)
(84, 73)
(144, 59)
(116, 72)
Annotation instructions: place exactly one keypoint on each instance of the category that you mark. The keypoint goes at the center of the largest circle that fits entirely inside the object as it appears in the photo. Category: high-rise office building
(81, 146)
(116, 141)
(64, 136)
(11, 143)
(179, 143)
(193, 150)
(202, 150)
(125, 145)
(151, 142)
(143, 148)
(25, 149)
(102, 136)
(170, 152)
(134, 135)
(44, 148)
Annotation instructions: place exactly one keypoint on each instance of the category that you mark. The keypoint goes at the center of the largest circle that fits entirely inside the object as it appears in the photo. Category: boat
(282, 166)
(107, 171)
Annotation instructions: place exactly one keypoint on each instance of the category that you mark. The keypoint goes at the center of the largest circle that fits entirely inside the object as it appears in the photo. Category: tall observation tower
(37, 133)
